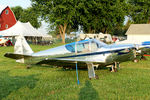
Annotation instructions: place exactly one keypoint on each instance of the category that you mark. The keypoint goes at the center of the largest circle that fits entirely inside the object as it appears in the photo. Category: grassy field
(131, 82)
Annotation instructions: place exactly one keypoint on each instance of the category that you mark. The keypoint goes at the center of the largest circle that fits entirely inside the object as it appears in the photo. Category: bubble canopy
(84, 45)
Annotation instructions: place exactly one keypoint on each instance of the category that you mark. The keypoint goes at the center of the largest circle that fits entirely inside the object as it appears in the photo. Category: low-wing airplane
(86, 53)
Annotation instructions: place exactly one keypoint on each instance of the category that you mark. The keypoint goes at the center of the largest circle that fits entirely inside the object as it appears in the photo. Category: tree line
(94, 16)
(27, 15)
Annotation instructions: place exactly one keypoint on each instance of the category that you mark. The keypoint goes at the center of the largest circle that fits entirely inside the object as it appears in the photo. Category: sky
(13, 3)
(24, 4)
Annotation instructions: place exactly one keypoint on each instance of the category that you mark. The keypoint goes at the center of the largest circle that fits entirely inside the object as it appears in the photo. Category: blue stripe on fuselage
(146, 43)
(95, 53)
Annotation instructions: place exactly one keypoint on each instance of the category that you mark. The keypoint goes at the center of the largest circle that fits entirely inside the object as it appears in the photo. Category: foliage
(57, 12)
(92, 15)
(101, 15)
(131, 82)
(27, 15)
(17, 11)
(119, 31)
(58, 41)
(53, 33)
(140, 11)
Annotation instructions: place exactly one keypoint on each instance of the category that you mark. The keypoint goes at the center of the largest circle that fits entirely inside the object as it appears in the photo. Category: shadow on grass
(9, 83)
(88, 92)
(43, 66)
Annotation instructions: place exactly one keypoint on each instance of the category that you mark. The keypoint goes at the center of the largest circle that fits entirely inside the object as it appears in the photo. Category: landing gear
(115, 67)
(143, 58)
(96, 76)
(91, 71)
(136, 60)
(28, 66)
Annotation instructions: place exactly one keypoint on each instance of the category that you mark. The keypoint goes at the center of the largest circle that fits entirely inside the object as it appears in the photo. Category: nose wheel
(28, 66)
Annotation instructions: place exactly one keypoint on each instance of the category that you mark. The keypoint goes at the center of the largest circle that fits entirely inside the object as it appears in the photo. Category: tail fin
(21, 46)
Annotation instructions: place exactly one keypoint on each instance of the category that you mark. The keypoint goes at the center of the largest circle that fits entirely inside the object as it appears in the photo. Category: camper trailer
(102, 37)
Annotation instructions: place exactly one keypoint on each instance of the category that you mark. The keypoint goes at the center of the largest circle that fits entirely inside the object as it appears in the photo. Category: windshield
(82, 47)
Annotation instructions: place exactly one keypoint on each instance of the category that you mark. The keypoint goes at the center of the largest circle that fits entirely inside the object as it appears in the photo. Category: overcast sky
(24, 4)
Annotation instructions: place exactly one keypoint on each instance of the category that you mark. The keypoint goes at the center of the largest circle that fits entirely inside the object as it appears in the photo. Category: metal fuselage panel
(82, 52)
(67, 59)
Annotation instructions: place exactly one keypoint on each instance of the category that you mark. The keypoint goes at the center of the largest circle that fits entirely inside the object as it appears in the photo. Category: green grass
(131, 82)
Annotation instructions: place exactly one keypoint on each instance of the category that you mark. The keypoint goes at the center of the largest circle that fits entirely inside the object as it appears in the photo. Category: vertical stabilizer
(22, 47)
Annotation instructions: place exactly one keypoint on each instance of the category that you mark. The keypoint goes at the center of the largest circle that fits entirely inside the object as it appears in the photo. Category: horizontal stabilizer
(16, 56)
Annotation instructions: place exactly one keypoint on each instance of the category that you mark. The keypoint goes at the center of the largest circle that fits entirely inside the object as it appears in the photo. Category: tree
(27, 15)
(101, 15)
(17, 11)
(56, 12)
(92, 15)
(140, 11)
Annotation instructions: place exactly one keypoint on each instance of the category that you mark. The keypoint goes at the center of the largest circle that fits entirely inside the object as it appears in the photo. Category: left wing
(16, 56)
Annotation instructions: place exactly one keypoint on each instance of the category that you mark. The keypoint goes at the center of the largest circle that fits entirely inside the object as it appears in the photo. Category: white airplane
(82, 54)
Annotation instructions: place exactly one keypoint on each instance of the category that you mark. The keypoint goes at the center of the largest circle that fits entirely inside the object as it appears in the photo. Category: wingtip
(6, 54)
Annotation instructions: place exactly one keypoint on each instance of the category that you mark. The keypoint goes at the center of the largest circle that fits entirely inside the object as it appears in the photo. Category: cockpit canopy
(84, 46)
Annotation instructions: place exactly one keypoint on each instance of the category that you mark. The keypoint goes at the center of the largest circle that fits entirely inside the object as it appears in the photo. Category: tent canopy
(24, 29)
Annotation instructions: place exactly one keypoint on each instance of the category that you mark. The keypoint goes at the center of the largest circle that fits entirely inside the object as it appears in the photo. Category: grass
(131, 82)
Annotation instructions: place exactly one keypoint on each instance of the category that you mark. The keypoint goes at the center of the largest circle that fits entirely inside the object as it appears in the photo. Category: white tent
(24, 29)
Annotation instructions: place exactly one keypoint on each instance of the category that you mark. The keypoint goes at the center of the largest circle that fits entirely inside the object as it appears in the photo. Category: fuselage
(85, 51)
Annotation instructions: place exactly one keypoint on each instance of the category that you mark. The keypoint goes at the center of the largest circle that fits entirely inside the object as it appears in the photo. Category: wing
(69, 63)
(80, 58)
(16, 56)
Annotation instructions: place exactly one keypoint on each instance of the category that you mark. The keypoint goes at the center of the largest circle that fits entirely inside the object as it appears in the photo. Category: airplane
(88, 54)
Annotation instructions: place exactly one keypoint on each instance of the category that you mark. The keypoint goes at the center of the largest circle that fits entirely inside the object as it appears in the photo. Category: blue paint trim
(83, 41)
(94, 53)
(146, 43)
(119, 46)
(147, 47)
